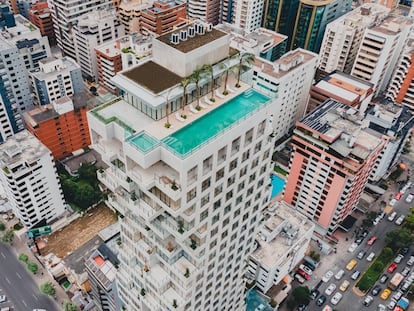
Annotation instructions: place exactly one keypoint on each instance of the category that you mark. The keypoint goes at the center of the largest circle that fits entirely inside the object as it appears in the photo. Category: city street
(338, 261)
(18, 285)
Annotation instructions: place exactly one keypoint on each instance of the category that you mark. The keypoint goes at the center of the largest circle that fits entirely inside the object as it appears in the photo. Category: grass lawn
(375, 270)
(279, 170)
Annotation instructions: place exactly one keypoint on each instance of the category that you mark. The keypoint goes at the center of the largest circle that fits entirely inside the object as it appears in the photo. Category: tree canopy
(70, 306)
(398, 238)
(47, 289)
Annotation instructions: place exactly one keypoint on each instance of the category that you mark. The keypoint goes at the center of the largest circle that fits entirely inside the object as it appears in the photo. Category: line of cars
(3, 299)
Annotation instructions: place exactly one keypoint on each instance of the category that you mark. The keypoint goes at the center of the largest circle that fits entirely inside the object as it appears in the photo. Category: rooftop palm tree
(245, 59)
(209, 69)
(184, 83)
(197, 75)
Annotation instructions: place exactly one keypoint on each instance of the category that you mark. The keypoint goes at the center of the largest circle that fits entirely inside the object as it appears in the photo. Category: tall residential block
(401, 87)
(56, 78)
(280, 246)
(120, 54)
(379, 51)
(129, 13)
(21, 49)
(65, 15)
(333, 155)
(190, 183)
(343, 36)
(247, 14)
(41, 16)
(30, 180)
(93, 29)
(61, 126)
(393, 122)
(287, 80)
(162, 16)
(354, 92)
(206, 10)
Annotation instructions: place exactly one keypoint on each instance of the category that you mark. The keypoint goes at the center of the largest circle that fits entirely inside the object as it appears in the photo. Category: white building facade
(287, 80)
(247, 14)
(191, 203)
(30, 180)
(281, 245)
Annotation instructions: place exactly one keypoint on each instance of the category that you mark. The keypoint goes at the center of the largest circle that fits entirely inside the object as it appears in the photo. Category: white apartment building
(56, 78)
(288, 80)
(401, 87)
(247, 14)
(93, 29)
(120, 54)
(21, 49)
(190, 189)
(30, 180)
(65, 15)
(393, 122)
(280, 246)
(343, 36)
(379, 51)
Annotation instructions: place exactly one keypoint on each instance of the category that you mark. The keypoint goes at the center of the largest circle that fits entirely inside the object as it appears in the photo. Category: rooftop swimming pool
(254, 299)
(195, 134)
(277, 185)
(143, 142)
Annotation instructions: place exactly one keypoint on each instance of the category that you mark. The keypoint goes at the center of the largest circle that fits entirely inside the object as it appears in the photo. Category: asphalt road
(350, 301)
(18, 285)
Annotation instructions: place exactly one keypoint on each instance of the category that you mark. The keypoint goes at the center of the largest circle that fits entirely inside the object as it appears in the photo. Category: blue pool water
(203, 129)
(143, 141)
(277, 185)
(253, 300)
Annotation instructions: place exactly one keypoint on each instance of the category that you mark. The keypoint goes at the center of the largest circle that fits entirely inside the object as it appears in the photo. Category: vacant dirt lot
(80, 231)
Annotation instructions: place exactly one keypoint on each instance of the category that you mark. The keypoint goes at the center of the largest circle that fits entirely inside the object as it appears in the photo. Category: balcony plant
(174, 185)
(187, 273)
(180, 226)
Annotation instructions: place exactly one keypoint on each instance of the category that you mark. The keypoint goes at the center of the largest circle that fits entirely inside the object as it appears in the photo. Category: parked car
(344, 286)
(409, 198)
(368, 300)
(392, 202)
(321, 300)
(376, 290)
(397, 296)
(383, 278)
(381, 307)
(372, 240)
(355, 275)
(385, 294)
(400, 220)
(306, 269)
(313, 294)
(405, 271)
(352, 248)
(351, 264)
(361, 254)
(328, 275)
(392, 267)
(339, 274)
(410, 261)
(391, 305)
(404, 250)
(392, 216)
(371, 256)
(336, 298)
(398, 258)
(304, 274)
(3, 298)
(398, 195)
(330, 289)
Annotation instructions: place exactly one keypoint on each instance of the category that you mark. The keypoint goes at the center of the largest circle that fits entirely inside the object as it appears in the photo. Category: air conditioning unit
(191, 31)
(183, 35)
(209, 27)
(175, 39)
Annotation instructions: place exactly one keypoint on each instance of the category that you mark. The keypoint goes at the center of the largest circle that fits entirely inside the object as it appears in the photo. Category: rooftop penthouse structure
(187, 172)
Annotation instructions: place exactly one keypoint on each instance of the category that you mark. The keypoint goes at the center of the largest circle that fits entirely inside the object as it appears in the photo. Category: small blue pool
(277, 184)
(253, 300)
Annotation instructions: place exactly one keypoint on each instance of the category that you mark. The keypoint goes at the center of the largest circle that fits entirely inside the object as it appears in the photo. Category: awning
(347, 223)
(388, 209)
(286, 279)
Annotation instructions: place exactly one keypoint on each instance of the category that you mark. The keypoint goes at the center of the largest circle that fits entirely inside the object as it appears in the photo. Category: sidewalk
(19, 246)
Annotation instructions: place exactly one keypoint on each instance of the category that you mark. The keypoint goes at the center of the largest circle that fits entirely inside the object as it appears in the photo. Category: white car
(392, 216)
(3, 298)
(339, 274)
(306, 269)
(406, 271)
(400, 220)
(397, 296)
(330, 289)
(371, 256)
(381, 307)
(352, 248)
(398, 258)
(336, 298)
(391, 305)
(328, 275)
(392, 202)
(410, 261)
(409, 198)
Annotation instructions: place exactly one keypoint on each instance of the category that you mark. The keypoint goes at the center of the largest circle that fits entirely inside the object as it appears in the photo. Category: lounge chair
(179, 118)
(202, 105)
(208, 101)
(228, 88)
(219, 95)
(192, 109)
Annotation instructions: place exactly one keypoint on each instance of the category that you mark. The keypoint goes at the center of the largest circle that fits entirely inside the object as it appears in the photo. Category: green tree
(196, 76)
(23, 257)
(70, 306)
(86, 196)
(409, 220)
(301, 294)
(2, 226)
(8, 236)
(48, 289)
(87, 172)
(184, 83)
(398, 238)
(245, 59)
(32, 267)
(208, 69)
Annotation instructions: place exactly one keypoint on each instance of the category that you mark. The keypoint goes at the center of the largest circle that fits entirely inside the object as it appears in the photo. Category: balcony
(108, 180)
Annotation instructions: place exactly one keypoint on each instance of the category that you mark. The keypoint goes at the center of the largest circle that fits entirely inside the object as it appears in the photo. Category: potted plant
(193, 244)
(175, 303)
(187, 273)
(142, 292)
(167, 125)
(133, 196)
(180, 226)
(174, 185)
(170, 246)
